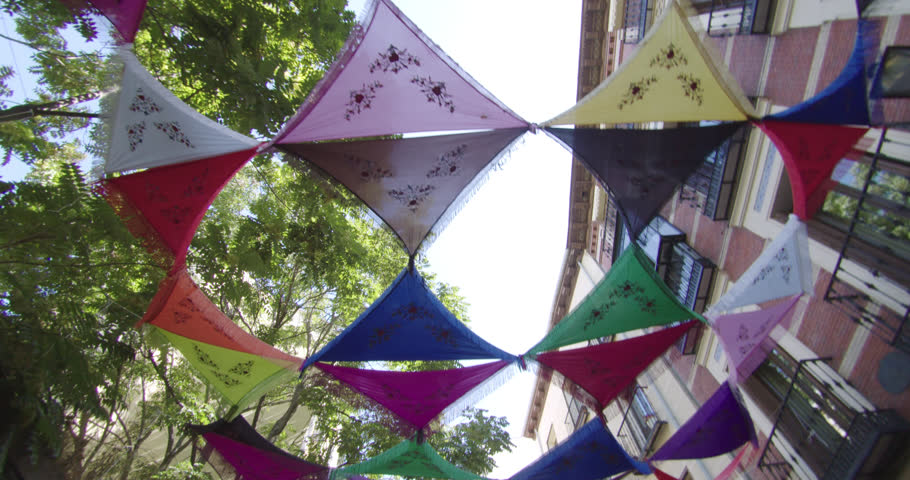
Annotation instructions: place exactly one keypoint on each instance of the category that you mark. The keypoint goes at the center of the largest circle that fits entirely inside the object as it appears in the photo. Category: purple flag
(721, 425)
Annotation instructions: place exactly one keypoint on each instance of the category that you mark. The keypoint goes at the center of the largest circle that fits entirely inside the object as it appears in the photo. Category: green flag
(407, 459)
(630, 297)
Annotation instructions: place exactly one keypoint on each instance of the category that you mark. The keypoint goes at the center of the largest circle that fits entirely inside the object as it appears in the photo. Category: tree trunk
(286, 417)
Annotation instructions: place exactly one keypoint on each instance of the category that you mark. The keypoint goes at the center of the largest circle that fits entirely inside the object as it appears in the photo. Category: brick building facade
(831, 397)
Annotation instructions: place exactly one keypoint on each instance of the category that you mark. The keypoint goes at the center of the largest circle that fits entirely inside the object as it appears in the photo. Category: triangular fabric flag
(731, 468)
(590, 453)
(164, 206)
(152, 127)
(745, 336)
(670, 78)
(410, 182)
(629, 297)
(642, 168)
(407, 322)
(605, 370)
(407, 459)
(721, 425)
(810, 152)
(236, 450)
(238, 376)
(416, 397)
(844, 101)
(124, 14)
(390, 78)
(783, 269)
(661, 475)
(181, 308)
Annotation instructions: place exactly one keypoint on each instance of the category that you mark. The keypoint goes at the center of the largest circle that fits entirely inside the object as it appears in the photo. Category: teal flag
(630, 297)
(407, 459)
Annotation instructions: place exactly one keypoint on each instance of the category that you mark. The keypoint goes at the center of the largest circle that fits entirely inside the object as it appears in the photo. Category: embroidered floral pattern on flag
(435, 92)
(412, 196)
(407, 459)
(416, 397)
(605, 370)
(590, 453)
(164, 206)
(646, 87)
(642, 168)
(180, 134)
(361, 99)
(721, 425)
(394, 60)
(174, 133)
(632, 271)
(422, 88)
(239, 377)
(235, 449)
(810, 152)
(143, 104)
(417, 317)
(181, 308)
(783, 269)
(636, 91)
(449, 163)
(745, 335)
(410, 183)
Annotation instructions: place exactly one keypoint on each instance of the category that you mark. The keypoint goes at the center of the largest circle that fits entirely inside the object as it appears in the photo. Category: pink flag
(745, 335)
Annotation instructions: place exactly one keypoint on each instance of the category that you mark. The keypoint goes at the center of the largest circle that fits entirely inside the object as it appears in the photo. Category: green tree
(284, 252)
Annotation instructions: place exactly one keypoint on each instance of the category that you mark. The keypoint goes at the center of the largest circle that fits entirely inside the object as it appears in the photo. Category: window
(640, 425)
(635, 20)
(551, 439)
(735, 17)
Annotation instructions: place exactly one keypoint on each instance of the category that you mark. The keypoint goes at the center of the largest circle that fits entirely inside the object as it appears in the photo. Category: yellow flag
(671, 78)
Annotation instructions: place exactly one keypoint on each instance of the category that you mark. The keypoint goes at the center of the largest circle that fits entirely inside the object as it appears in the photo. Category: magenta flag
(416, 397)
(391, 78)
(605, 370)
(745, 336)
(124, 14)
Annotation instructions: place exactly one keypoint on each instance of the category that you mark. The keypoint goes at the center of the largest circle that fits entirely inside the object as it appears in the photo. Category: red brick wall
(865, 378)
(790, 64)
(746, 62)
(747, 246)
(704, 384)
(825, 329)
(710, 238)
(840, 46)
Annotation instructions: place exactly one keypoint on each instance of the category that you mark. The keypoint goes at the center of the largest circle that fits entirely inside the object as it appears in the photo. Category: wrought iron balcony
(712, 187)
(635, 20)
(640, 426)
(823, 428)
(736, 17)
(869, 221)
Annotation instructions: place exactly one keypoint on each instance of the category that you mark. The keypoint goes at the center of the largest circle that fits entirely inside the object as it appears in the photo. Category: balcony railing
(823, 428)
(690, 275)
(635, 20)
(871, 279)
(712, 187)
(639, 426)
(737, 17)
